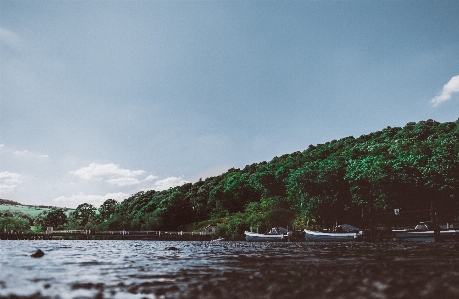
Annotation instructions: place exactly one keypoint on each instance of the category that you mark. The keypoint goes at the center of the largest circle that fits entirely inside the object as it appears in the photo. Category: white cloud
(123, 181)
(9, 181)
(29, 155)
(448, 89)
(167, 183)
(150, 178)
(21, 153)
(76, 199)
(110, 173)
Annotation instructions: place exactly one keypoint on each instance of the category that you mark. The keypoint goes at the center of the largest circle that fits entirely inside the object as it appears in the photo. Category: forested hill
(8, 202)
(405, 168)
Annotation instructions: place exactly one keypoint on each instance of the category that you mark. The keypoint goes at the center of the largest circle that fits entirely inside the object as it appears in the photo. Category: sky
(103, 99)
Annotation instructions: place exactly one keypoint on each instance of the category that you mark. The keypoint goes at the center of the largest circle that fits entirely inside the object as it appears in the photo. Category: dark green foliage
(84, 213)
(55, 218)
(234, 192)
(321, 190)
(221, 231)
(326, 184)
(107, 209)
(14, 222)
(9, 202)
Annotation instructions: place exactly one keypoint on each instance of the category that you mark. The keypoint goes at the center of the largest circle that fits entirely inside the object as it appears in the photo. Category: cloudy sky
(102, 99)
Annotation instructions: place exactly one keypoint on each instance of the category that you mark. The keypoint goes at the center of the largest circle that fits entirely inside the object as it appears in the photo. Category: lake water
(156, 269)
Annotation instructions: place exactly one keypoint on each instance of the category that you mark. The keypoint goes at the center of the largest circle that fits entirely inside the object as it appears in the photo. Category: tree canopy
(407, 168)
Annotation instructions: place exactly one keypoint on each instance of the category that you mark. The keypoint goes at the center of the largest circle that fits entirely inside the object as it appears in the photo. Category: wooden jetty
(392, 225)
(107, 235)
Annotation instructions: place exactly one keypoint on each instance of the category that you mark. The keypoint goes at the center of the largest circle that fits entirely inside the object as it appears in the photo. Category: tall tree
(321, 190)
(84, 213)
(55, 218)
(107, 209)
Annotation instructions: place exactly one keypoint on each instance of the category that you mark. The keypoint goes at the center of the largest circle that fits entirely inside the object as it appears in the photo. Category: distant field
(28, 210)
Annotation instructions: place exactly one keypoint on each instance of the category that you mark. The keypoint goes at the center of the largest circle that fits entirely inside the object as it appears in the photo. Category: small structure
(278, 230)
(346, 228)
(422, 226)
(210, 229)
(49, 230)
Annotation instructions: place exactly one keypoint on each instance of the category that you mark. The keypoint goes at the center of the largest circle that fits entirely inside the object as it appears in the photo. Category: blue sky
(102, 99)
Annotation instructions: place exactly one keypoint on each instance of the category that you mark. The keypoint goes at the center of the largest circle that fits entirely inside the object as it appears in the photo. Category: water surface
(165, 269)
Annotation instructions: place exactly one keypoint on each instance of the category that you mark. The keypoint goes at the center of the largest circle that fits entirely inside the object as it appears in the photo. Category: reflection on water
(155, 269)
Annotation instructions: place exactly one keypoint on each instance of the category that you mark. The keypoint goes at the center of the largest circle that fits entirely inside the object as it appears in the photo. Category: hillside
(406, 168)
(8, 202)
(341, 181)
(11, 206)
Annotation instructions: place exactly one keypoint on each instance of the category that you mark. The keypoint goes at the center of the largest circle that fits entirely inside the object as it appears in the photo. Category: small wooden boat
(415, 236)
(314, 236)
(255, 237)
(275, 235)
(218, 240)
(422, 233)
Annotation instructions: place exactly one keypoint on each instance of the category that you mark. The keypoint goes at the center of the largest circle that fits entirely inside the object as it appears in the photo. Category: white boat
(275, 235)
(218, 240)
(314, 236)
(255, 237)
(421, 233)
(425, 236)
(414, 236)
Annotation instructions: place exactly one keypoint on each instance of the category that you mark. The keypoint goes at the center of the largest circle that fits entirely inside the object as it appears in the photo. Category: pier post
(371, 222)
(434, 219)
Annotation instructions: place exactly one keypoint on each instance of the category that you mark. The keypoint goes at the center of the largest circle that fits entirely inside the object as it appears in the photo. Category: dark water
(155, 269)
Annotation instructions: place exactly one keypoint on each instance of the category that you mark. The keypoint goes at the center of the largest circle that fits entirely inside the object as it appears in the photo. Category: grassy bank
(31, 211)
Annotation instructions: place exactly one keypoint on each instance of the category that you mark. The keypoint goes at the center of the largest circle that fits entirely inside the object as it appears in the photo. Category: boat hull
(424, 236)
(313, 236)
(254, 237)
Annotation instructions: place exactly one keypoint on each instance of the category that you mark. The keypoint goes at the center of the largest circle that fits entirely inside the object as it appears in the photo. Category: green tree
(221, 231)
(153, 220)
(238, 191)
(369, 181)
(84, 213)
(255, 216)
(321, 191)
(55, 218)
(13, 222)
(175, 211)
(107, 209)
(236, 226)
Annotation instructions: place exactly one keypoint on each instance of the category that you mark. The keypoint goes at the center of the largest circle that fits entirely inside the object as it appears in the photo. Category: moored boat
(315, 236)
(218, 240)
(422, 233)
(275, 235)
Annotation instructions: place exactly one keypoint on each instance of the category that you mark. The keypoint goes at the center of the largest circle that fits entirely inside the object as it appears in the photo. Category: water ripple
(159, 269)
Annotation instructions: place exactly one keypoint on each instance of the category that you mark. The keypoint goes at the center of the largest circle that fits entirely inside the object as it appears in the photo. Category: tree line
(403, 167)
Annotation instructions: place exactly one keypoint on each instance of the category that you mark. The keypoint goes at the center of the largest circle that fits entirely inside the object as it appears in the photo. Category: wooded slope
(406, 168)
